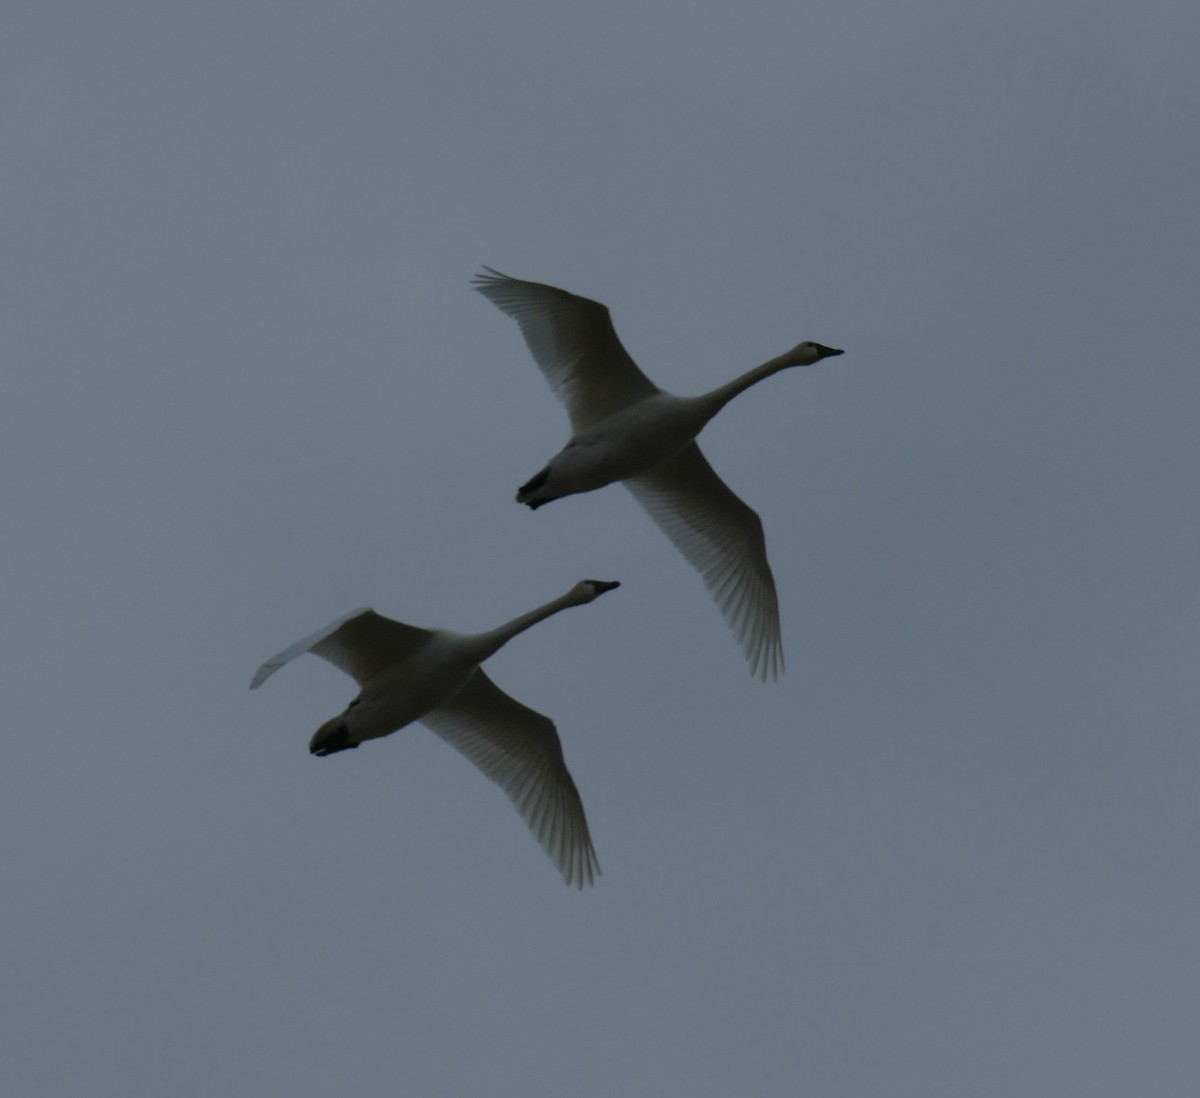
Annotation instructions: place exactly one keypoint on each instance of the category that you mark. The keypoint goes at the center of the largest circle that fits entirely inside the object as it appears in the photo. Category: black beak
(828, 352)
(604, 585)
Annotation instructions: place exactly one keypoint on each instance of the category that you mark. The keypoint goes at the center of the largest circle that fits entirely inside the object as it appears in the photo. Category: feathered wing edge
(722, 538)
(520, 751)
(574, 343)
(361, 643)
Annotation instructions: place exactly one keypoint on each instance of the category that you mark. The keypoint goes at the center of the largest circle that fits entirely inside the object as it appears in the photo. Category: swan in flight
(408, 674)
(625, 428)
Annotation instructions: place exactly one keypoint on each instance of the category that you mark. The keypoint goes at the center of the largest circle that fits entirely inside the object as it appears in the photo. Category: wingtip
(488, 275)
(768, 670)
(583, 875)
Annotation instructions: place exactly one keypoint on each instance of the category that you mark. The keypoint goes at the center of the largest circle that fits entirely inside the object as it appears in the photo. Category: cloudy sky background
(246, 387)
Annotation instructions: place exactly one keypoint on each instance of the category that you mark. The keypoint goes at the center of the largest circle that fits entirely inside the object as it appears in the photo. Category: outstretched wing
(520, 751)
(723, 540)
(574, 343)
(361, 643)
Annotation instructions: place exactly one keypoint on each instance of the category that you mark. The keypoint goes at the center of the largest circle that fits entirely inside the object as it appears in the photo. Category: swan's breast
(408, 690)
(637, 437)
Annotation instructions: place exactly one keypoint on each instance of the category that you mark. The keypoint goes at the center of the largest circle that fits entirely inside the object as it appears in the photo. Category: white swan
(626, 428)
(433, 675)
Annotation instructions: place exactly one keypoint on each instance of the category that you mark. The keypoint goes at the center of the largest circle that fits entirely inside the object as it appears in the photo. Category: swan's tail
(331, 737)
(527, 493)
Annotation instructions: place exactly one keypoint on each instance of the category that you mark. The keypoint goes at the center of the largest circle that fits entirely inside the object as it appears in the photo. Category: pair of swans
(624, 428)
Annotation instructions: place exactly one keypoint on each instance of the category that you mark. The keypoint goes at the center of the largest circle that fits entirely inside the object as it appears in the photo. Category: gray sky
(247, 388)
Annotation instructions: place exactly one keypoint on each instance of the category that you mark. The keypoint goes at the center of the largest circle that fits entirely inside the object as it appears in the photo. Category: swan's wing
(520, 751)
(573, 340)
(361, 643)
(723, 540)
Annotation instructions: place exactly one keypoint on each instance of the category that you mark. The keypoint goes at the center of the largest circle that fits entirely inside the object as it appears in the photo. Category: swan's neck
(718, 398)
(494, 639)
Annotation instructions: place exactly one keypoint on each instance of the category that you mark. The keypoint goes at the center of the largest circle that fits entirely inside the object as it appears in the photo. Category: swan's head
(588, 590)
(331, 737)
(808, 352)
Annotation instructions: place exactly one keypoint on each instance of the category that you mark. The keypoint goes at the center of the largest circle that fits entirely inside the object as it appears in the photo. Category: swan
(407, 674)
(625, 428)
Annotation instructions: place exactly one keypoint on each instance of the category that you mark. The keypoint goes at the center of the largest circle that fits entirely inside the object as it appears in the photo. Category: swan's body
(627, 429)
(407, 674)
(618, 447)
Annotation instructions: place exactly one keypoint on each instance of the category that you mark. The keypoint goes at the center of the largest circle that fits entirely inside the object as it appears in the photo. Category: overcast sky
(246, 387)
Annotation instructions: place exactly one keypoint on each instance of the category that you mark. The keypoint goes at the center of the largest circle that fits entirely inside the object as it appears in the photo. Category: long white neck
(494, 639)
(718, 398)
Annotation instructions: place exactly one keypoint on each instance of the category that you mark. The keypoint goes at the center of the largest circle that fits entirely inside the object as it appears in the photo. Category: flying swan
(407, 674)
(625, 428)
